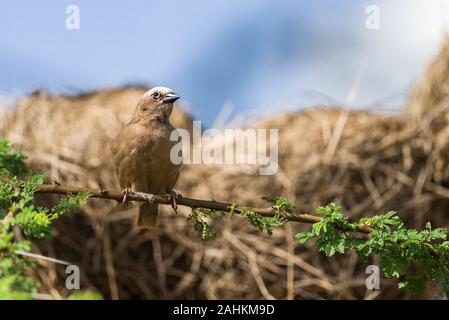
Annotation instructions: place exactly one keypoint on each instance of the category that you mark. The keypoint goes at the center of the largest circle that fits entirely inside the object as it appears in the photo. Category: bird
(141, 153)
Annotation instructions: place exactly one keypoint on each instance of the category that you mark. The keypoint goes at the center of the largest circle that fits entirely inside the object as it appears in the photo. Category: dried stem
(184, 201)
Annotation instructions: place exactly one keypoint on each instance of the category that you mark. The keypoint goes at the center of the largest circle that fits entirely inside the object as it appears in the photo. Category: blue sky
(250, 54)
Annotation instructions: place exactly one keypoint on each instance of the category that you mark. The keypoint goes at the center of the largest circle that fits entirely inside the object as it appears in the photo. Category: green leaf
(85, 295)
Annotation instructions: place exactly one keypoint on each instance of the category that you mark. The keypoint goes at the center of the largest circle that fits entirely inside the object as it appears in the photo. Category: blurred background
(255, 54)
(295, 66)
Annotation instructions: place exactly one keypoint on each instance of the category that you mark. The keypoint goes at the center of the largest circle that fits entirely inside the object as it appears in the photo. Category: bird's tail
(147, 216)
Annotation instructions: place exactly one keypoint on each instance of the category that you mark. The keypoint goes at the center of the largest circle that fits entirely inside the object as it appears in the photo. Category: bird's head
(158, 101)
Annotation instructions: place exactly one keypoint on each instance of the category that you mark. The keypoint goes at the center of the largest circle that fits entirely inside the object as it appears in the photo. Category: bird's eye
(156, 95)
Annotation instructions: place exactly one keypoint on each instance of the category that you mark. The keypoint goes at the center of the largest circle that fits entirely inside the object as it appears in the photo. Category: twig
(41, 257)
(188, 202)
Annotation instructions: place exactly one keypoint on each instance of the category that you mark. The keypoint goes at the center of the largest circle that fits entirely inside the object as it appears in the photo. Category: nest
(367, 162)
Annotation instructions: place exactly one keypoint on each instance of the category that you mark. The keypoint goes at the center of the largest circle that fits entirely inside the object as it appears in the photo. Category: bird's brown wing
(117, 145)
(121, 149)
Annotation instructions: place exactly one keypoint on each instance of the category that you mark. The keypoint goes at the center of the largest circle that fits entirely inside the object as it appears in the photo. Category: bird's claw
(126, 193)
(174, 195)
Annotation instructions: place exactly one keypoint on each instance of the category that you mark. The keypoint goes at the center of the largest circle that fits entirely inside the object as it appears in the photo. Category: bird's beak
(170, 97)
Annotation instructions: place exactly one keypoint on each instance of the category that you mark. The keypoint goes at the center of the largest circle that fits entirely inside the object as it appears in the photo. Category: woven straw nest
(367, 162)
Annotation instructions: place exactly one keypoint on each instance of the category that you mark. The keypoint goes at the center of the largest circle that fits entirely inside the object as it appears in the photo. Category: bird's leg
(173, 196)
(126, 193)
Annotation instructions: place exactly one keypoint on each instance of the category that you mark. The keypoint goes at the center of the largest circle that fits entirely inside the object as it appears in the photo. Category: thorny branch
(293, 215)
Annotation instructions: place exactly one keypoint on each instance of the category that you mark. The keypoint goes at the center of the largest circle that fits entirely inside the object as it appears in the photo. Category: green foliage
(13, 162)
(280, 204)
(85, 295)
(16, 287)
(414, 256)
(262, 223)
(196, 218)
(331, 239)
(17, 188)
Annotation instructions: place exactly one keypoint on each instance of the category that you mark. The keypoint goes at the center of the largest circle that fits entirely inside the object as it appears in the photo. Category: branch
(184, 201)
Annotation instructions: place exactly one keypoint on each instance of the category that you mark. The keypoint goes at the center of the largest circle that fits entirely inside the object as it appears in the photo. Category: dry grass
(378, 163)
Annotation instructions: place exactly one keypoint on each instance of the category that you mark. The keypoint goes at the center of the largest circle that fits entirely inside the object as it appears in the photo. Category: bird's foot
(126, 193)
(174, 195)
